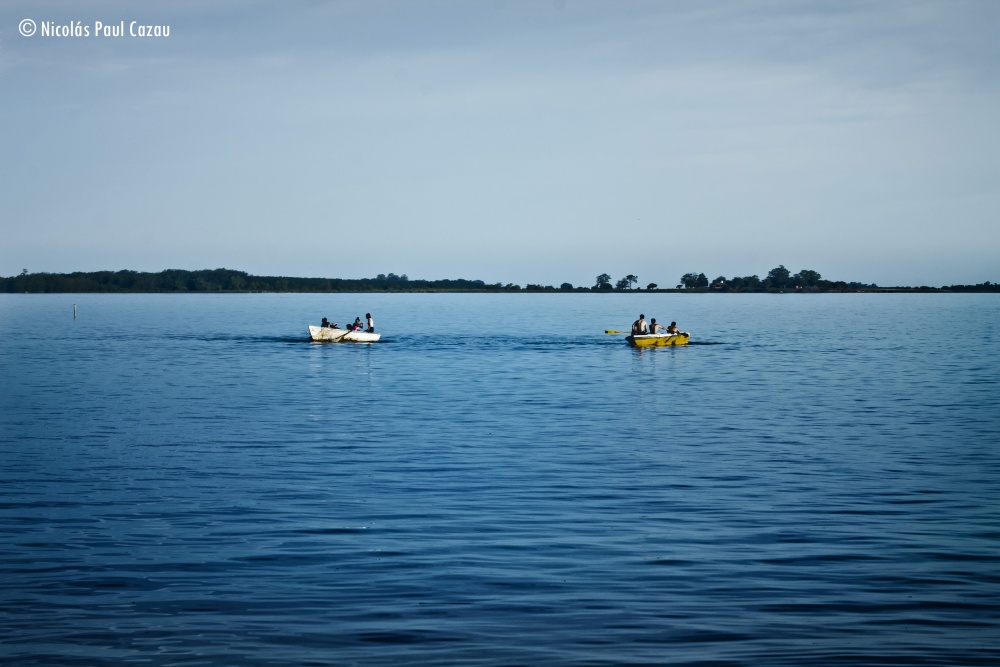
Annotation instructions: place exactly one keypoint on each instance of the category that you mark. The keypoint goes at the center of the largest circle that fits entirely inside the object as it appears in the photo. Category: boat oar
(615, 331)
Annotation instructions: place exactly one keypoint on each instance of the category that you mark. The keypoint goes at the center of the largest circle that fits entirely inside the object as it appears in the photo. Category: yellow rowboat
(658, 340)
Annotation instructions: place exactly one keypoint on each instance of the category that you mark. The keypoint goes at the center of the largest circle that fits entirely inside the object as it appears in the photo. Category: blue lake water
(186, 480)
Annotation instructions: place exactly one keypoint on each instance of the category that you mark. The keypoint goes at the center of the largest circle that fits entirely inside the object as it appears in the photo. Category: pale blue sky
(507, 141)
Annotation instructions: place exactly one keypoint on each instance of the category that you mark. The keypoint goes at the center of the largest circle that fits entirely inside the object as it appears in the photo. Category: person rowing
(653, 326)
(672, 329)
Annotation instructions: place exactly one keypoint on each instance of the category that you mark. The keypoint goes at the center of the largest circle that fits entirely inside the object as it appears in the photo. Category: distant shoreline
(228, 281)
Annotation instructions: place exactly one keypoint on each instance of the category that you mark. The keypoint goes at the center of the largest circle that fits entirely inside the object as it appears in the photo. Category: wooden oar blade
(615, 331)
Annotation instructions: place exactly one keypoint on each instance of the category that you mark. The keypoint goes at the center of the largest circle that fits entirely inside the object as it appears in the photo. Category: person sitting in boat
(371, 323)
(325, 323)
(357, 324)
(639, 327)
(653, 326)
(672, 329)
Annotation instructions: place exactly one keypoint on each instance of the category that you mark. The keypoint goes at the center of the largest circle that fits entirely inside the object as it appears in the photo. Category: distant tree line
(806, 280)
(777, 279)
(223, 280)
(228, 280)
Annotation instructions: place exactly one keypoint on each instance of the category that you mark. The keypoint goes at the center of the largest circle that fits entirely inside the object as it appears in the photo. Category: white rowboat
(329, 335)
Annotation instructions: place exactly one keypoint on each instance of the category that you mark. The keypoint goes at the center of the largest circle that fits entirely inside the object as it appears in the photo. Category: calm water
(186, 480)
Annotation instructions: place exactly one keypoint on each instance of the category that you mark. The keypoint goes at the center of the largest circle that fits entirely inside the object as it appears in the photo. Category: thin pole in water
(74, 311)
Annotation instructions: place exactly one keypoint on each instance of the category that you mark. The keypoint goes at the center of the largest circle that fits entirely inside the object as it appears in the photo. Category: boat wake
(236, 338)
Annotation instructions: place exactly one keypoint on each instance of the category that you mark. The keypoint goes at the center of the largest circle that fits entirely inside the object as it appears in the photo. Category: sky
(528, 142)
